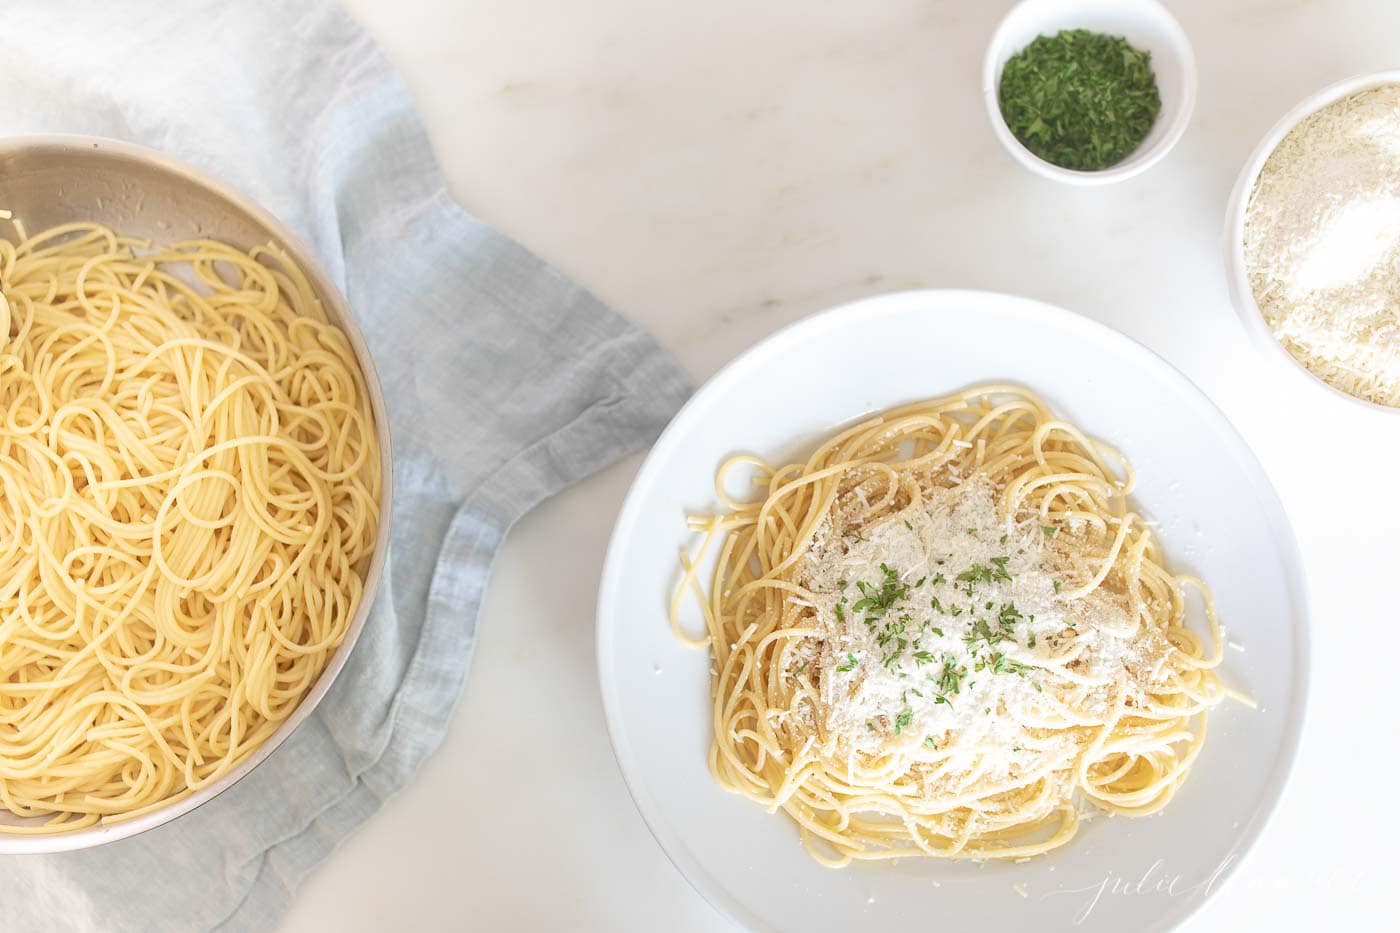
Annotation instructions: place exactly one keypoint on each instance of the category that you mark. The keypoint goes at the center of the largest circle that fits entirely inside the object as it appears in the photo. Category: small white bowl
(1241, 293)
(1147, 26)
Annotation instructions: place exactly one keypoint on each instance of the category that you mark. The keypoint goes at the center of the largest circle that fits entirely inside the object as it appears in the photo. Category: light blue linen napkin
(505, 383)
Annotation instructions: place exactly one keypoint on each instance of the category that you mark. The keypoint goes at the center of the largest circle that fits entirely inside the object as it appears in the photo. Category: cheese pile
(971, 664)
(1322, 244)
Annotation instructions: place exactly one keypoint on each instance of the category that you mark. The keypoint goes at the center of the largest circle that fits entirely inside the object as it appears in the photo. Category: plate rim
(980, 302)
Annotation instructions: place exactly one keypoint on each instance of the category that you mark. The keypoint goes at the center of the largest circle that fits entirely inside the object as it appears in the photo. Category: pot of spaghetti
(195, 484)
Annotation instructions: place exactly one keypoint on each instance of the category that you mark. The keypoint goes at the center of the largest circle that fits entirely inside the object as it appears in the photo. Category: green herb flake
(877, 601)
(1001, 664)
(850, 664)
(1079, 99)
(982, 635)
(951, 678)
(902, 721)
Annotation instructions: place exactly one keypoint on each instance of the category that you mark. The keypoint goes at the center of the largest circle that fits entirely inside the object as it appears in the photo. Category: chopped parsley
(1001, 664)
(902, 721)
(1049, 530)
(951, 678)
(1080, 99)
(981, 573)
(850, 664)
(877, 601)
(982, 633)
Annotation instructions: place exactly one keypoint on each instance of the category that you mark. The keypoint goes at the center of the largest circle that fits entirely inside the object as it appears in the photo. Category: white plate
(1218, 515)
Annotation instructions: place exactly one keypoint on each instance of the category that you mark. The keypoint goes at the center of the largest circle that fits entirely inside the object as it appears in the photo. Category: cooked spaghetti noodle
(944, 631)
(189, 495)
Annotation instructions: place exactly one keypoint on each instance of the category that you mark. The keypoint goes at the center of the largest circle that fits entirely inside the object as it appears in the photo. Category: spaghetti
(189, 496)
(944, 632)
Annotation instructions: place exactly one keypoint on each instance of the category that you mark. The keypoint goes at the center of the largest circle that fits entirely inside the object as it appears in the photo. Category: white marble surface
(717, 169)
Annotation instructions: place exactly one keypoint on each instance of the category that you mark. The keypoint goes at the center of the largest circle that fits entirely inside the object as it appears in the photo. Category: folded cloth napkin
(505, 383)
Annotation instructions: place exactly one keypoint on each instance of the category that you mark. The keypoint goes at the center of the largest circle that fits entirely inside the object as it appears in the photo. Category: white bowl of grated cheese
(1315, 243)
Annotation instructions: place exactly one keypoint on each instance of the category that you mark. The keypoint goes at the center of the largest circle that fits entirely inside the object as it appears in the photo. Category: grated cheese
(876, 695)
(1322, 244)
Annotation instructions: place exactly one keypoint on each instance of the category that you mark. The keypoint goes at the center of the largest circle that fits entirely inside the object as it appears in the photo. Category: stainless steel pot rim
(338, 311)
